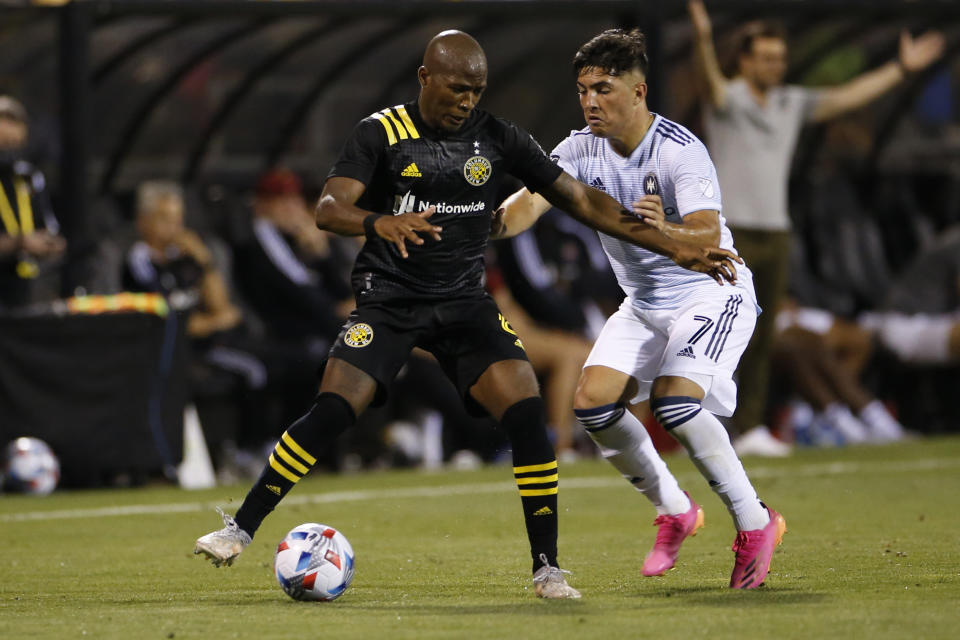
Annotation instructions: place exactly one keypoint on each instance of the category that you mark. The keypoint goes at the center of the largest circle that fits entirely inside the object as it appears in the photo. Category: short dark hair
(757, 29)
(615, 51)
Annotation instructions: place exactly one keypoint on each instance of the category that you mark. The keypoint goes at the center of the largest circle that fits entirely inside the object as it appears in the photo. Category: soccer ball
(30, 467)
(314, 562)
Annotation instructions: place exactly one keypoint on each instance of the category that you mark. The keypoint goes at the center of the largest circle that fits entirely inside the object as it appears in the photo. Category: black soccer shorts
(465, 335)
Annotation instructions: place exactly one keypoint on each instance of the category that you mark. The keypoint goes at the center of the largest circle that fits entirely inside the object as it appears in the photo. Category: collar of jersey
(644, 142)
(413, 110)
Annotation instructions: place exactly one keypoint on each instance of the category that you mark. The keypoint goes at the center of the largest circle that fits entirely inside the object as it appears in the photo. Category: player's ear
(640, 90)
(423, 74)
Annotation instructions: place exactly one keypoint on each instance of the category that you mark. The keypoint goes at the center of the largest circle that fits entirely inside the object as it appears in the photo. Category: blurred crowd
(263, 293)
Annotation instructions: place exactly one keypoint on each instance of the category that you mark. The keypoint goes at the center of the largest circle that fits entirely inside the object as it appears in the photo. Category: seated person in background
(919, 320)
(823, 356)
(230, 370)
(29, 240)
(172, 260)
(558, 272)
(557, 357)
(287, 268)
(287, 272)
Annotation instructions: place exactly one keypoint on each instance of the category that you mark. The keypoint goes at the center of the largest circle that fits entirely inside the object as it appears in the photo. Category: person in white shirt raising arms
(752, 124)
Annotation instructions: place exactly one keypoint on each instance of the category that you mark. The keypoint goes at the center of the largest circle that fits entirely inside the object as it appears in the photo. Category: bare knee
(600, 386)
(352, 384)
(503, 384)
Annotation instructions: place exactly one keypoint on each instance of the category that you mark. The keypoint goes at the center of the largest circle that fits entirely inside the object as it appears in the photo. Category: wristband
(368, 223)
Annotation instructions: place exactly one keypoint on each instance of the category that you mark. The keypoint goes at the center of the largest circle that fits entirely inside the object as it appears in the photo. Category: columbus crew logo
(477, 170)
(359, 335)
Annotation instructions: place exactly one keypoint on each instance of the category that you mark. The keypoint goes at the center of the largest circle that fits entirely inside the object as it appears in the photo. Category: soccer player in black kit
(436, 165)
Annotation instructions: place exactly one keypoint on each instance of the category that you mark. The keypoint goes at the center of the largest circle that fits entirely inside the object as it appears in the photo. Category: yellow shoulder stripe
(391, 136)
(396, 123)
(402, 111)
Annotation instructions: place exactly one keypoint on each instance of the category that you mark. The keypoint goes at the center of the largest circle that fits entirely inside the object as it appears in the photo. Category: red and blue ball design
(314, 562)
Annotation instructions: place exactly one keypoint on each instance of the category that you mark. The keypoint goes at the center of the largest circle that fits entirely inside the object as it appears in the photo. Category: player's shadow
(714, 597)
(535, 607)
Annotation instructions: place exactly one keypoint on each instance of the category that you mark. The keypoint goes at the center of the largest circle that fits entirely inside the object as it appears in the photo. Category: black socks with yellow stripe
(293, 457)
(535, 469)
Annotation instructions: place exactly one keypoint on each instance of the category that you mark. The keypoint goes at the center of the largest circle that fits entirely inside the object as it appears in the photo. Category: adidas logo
(411, 171)
(687, 352)
(273, 489)
(597, 183)
(543, 511)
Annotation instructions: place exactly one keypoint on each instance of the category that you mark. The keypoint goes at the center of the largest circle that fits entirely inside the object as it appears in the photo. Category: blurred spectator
(558, 272)
(823, 356)
(173, 260)
(287, 268)
(231, 370)
(561, 290)
(557, 357)
(920, 319)
(29, 232)
(753, 123)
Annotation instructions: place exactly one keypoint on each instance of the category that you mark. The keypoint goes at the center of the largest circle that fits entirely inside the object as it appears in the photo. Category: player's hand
(713, 261)
(649, 209)
(191, 245)
(407, 227)
(916, 54)
(699, 18)
(43, 244)
(228, 318)
(497, 226)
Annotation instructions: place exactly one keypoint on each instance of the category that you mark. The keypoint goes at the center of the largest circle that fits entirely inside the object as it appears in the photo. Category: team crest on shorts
(477, 170)
(359, 335)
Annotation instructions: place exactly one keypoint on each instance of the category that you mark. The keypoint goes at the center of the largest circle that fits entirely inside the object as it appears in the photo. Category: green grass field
(872, 551)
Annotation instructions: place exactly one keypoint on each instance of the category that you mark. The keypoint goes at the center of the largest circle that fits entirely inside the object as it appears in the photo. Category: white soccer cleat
(760, 442)
(548, 582)
(224, 545)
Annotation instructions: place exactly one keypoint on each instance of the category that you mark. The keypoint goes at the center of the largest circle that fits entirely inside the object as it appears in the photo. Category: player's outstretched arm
(337, 212)
(598, 210)
(517, 214)
(915, 54)
(715, 83)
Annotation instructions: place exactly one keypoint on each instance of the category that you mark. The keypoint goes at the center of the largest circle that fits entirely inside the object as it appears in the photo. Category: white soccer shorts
(701, 341)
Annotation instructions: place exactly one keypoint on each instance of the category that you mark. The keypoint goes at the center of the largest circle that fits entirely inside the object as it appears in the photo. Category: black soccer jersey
(408, 166)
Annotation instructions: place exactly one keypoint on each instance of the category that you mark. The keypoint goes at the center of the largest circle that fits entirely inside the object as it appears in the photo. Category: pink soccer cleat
(671, 532)
(754, 550)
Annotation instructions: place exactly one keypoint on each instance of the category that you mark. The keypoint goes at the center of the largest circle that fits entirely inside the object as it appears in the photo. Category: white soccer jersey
(671, 162)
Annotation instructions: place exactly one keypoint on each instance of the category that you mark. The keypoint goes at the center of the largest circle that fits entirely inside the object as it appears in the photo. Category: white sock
(882, 425)
(708, 445)
(625, 443)
(846, 424)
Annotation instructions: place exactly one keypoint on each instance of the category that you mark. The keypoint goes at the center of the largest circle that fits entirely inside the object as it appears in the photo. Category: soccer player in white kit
(678, 336)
